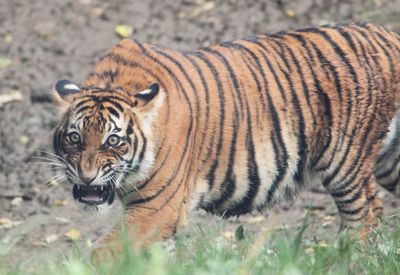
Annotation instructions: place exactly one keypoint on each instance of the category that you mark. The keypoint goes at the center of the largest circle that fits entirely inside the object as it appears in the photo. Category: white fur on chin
(98, 211)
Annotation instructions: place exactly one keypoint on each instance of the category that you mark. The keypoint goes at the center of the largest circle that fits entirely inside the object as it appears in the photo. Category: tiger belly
(261, 177)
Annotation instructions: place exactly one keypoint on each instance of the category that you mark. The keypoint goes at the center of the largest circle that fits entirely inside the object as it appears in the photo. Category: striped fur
(240, 125)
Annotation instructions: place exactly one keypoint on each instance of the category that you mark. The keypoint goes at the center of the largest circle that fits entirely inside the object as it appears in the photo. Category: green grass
(284, 252)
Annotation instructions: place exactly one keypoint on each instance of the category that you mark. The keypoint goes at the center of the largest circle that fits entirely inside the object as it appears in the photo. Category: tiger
(233, 128)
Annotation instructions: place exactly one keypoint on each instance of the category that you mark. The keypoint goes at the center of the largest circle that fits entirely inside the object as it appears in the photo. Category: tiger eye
(74, 138)
(113, 140)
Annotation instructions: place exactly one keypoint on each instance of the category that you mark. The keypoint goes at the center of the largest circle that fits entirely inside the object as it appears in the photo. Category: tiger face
(104, 138)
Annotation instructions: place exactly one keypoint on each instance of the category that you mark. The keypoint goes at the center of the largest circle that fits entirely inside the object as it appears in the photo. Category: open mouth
(94, 195)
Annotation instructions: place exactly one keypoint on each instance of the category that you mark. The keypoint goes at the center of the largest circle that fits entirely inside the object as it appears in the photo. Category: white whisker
(52, 155)
(49, 158)
(48, 163)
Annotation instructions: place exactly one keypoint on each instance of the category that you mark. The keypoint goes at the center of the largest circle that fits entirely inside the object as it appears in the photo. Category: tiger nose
(87, 177)
(87, 180)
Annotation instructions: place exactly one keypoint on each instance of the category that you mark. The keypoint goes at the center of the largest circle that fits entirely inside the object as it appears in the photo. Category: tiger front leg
(142, 225)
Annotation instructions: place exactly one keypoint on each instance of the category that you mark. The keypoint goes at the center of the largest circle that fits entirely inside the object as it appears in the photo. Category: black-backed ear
(66, 87)
(145, 96)
(63, 93)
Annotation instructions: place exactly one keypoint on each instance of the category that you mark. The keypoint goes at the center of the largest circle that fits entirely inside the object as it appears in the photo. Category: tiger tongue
(92, 197)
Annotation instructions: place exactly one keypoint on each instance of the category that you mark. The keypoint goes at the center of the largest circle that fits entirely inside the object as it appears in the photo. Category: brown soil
(49, 40)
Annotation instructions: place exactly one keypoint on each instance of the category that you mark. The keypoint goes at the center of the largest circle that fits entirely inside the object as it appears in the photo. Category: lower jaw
(95, 210)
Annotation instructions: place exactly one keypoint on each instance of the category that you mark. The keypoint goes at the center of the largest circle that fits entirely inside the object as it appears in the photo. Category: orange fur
(239, 125)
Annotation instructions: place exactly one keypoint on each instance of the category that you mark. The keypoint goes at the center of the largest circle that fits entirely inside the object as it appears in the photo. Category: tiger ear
(145, 97)
(63, 92)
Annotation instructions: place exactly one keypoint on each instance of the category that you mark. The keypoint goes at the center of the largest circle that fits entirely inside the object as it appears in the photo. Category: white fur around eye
(71, 86)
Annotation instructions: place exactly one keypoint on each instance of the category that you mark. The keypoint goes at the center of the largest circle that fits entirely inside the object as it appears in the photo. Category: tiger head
(106, 135)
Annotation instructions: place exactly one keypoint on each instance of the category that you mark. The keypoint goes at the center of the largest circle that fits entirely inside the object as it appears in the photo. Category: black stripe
(233, 78)
(354, 211)
(342, 192)
(79, 112)
(338, 85)
(283, 44)
(323, 97)
(281, 155)
(271, 68)
(302, 143)
(188, 78)
(229, 183)
(82, 102)
(214, 72)
(261, 70)
(361, 150)
(255, 79)
(116, 105)
(246, 204)
(207, 99)
(342, 55)
(113, 111)
(281, 158)
(254, 181)
(356, 196)
(122, 61)
(368, 41)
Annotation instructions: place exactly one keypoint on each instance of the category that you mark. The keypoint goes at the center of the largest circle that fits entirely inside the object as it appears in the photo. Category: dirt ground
(42, 41)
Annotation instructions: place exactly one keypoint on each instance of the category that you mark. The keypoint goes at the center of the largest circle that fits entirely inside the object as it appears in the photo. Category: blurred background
(42, 41)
